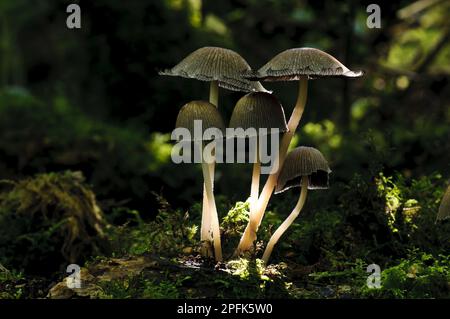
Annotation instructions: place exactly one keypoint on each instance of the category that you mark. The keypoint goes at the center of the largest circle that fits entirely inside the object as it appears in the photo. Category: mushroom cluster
(304, 167)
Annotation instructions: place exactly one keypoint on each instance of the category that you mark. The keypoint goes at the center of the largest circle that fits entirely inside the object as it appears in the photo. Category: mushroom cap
(216, 64)
(303, 161)
(292, 64)
(444, 208)
(199, 110)
(258, 110)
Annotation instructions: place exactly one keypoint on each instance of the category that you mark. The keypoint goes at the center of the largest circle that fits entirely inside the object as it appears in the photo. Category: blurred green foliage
(123, 164)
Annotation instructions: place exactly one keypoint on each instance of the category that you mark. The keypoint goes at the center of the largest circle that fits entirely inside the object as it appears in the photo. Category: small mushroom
(211, 118)
(221, 67)
(444, 208)
(298, 64)
(304, 167)
(257, 110)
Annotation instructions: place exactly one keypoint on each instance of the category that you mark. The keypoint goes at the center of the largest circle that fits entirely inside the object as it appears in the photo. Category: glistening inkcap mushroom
(444, 208)
(210, 118)
(253, 112)
(304, 167)
(221, 67)
(298, 64)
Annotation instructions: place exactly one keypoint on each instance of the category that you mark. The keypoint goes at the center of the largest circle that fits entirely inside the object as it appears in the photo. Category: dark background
(91, 99)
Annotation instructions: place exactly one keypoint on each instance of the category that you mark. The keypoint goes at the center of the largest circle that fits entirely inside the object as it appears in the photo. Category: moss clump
(419, 276)
(237, 218)
(49, 220)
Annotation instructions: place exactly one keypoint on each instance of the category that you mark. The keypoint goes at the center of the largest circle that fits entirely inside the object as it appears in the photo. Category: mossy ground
(384, 220)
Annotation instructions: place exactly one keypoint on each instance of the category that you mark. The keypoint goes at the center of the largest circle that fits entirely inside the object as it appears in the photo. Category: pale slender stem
(254, 193)
(212, 208)
(214, 93)
(249, 235)
(206, 231)
(287, 222)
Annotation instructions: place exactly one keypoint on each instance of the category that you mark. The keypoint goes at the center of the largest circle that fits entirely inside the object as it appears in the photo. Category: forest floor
(53, 220)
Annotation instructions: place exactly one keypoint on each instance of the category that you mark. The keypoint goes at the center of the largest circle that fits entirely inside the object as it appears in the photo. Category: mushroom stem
(288, 221)
(214, 221)
(214, 93)
(254, 193)
(249, 235)
(206, 228)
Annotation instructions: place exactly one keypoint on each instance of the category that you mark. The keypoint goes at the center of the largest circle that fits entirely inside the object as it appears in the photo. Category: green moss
(162, 290)
(239, 279)
(141, 287)
(168, 235)
(419, 276)
(392, 198)
(330, 245)
(9, 289)
(237, 218)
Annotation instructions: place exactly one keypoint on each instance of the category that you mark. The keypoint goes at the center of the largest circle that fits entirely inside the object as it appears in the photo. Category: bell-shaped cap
(258, 110)
(303, 162)
(195, 111)
(444, 208)
(292, 64)
(216, 64)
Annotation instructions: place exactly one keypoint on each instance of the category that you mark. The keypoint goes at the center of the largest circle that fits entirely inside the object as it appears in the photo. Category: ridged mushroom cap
(292, 64)
(444, 208)
(216, 64)
(258, 110)
(199, 110)
(303, 161)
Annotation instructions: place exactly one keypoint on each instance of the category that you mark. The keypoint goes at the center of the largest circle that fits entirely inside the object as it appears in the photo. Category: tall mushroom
(304, 167)
(210, 118)
(253, 112)
(299, 64)
(221, 67)
(444, 208)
